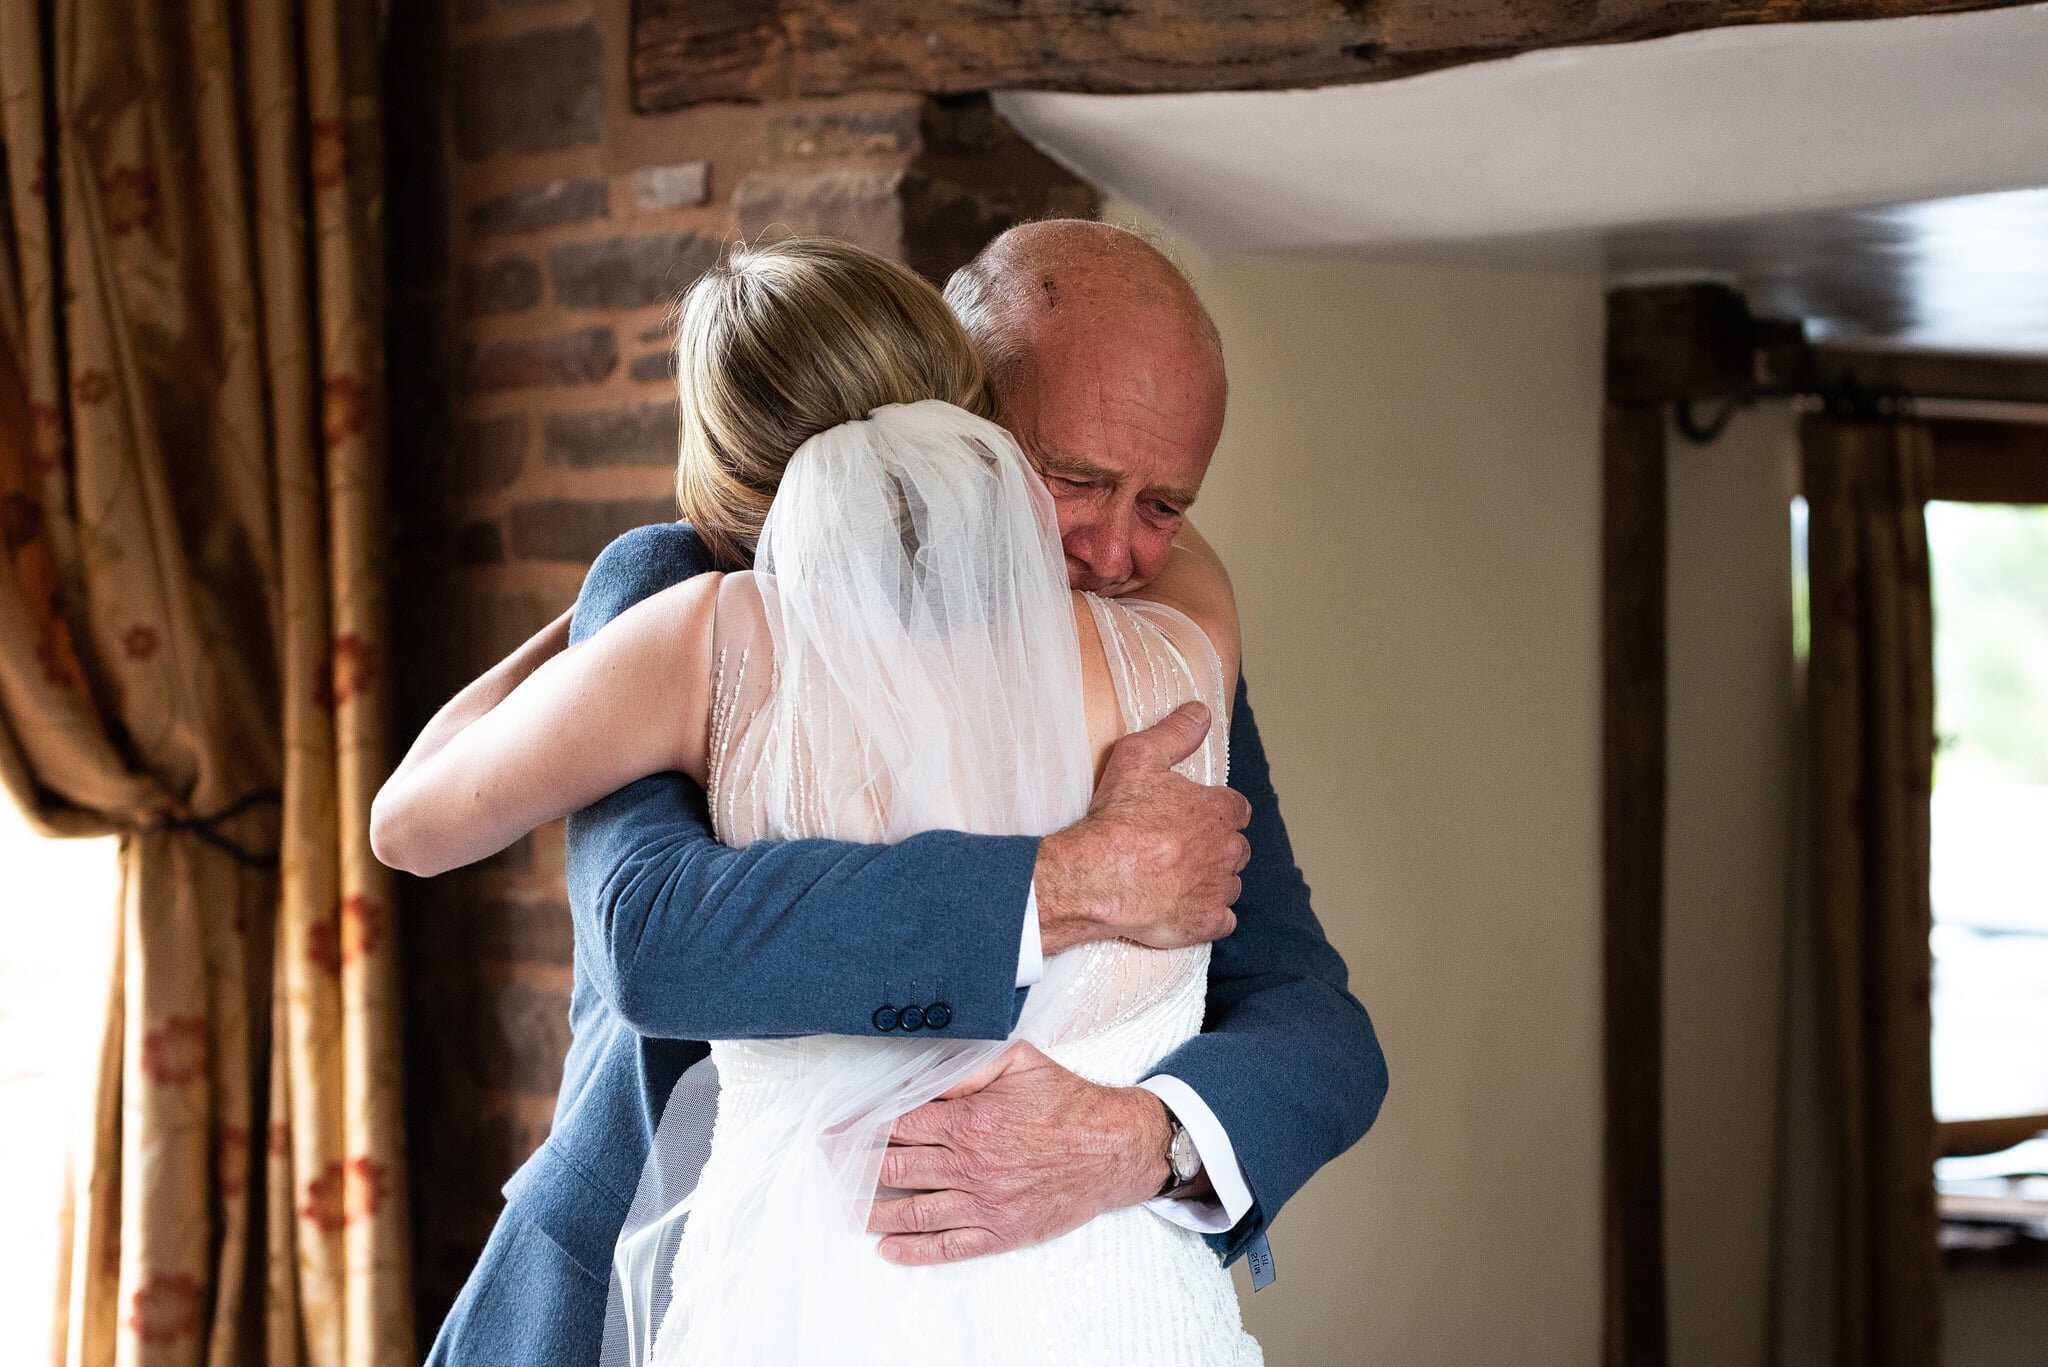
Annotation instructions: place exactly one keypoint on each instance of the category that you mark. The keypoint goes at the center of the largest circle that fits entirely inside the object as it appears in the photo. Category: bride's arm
(482, 694)
(544, 734)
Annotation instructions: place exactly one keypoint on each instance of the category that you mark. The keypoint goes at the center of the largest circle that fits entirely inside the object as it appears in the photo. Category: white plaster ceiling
(1754, 153)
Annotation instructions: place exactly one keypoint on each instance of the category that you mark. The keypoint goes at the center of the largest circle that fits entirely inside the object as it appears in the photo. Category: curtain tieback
(207, 828)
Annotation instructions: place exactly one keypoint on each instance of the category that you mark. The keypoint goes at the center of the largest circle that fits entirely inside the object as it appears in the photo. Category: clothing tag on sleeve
(1259, 1254)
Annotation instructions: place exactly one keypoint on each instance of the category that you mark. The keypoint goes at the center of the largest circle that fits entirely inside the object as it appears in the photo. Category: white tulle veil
(926, 676)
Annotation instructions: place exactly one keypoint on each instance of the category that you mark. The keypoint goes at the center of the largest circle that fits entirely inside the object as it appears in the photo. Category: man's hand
(1017, 1155)
(1156, 858)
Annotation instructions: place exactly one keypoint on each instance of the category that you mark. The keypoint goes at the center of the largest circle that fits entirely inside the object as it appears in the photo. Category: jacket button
(913, 1018)
(938, 1016)
(885, 1018)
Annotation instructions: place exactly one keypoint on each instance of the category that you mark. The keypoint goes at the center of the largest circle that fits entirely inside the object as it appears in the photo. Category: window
(57, 916)
(1989, 564)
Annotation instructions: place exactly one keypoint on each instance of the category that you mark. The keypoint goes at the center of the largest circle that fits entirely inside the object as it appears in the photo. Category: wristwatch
(1183, 1164)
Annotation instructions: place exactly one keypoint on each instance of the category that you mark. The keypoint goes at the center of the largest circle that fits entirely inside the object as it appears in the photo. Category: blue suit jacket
(680, 940)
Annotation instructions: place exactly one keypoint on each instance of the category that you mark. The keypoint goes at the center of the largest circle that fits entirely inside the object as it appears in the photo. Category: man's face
(1120, 415)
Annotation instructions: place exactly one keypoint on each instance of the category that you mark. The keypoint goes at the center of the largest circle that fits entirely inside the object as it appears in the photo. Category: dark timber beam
(692, 51)
(1633, 527)
(1990, 462)
(1667, 342)
(1933, 375)
(1663, 344)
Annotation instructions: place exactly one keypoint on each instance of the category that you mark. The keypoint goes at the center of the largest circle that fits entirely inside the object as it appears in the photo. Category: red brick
(654, 365)
(629, 272)
(506, 285)
(487, 454)
(576, 530)
(863, 205)
(483, 626)
(528, 928)
(644, 434)
(585, 356)
(537, 91)
(671, 187)
(826, 134)
(519, 1035)
(545, 206)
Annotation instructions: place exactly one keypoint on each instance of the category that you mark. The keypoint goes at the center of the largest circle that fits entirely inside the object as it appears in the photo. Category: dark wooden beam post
(1632, 719)
(1663, 344)
(1633, 528)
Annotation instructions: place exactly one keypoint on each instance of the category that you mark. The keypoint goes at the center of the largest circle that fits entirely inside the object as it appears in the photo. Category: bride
(904, 655)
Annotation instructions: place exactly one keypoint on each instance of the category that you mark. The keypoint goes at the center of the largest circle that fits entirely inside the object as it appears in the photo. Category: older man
(1111, 377)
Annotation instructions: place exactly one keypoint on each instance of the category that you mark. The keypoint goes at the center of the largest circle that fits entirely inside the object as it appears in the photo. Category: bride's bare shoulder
(677, 607)
(1195, 584)
(1098, 687)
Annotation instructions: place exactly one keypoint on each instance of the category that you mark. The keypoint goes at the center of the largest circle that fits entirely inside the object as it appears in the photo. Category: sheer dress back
(904, 659)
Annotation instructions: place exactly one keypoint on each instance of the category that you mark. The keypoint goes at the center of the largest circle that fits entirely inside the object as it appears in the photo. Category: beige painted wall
(1407, 497)
(1407, 494)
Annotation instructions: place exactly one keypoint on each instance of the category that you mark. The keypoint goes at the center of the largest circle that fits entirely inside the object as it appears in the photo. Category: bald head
(1110, 374)
(1067, 273)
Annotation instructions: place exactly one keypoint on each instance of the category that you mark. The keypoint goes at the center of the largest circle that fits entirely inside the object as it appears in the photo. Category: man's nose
(1105, 548)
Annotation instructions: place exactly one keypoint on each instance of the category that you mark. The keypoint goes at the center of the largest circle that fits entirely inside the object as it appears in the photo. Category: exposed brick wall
(540, 233)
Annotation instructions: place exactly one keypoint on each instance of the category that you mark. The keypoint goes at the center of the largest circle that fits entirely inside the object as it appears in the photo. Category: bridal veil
(923, 673)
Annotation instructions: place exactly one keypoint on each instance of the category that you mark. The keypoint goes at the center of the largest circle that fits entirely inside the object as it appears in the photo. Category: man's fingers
(1173, 738)
(930, 1123)
(946, 1246)
(919, 1167)
(923, 1212)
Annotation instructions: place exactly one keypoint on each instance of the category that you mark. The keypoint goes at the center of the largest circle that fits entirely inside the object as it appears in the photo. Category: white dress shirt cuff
(1031, 953)
(1219, 1160)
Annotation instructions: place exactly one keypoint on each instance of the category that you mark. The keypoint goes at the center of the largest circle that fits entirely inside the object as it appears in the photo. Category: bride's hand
(1020, 1154)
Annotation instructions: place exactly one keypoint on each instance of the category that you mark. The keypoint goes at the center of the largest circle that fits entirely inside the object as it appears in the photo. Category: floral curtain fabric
(1870, 701)
(190, 653)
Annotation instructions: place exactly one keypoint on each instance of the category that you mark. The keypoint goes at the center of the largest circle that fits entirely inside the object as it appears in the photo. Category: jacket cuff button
(912, 1018)
(938, 1016)
(884, 1018)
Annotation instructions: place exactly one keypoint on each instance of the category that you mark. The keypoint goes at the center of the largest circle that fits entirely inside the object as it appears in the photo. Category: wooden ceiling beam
(694, 51)
(1931, 374)
(1699, 341)
(1989, 462)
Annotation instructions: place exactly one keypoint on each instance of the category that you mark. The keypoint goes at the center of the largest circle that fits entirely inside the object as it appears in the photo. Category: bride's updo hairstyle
(784, 339)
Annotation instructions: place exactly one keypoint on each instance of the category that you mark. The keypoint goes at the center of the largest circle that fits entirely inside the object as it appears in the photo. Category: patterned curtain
(1870, 698)
(190, 612)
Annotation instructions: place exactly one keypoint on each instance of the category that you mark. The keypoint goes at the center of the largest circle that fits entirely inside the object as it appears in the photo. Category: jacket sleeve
(1287, 1059)
(688, 939)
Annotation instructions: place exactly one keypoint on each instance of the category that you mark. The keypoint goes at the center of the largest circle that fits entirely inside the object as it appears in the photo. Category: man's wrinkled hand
(1019, 1154)
(1156, 859)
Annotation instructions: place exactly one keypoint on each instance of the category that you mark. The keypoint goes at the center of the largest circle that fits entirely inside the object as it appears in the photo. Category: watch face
(1182, 1155)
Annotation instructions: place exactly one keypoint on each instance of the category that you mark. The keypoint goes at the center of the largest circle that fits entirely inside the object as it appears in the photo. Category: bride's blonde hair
(784, 339)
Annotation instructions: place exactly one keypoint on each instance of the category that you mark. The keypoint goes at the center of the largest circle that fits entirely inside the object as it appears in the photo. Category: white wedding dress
(905, 659)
